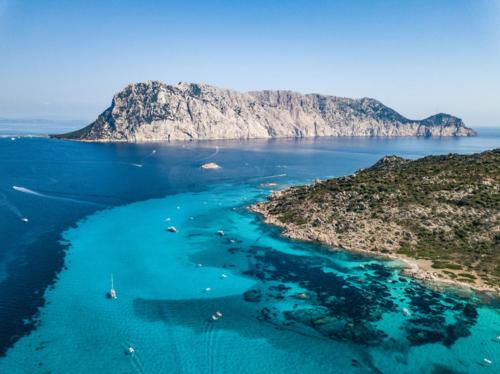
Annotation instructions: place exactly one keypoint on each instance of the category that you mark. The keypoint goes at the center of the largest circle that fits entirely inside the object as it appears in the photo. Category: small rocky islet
(439, 214)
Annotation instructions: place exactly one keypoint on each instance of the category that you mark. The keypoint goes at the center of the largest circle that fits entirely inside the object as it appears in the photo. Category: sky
(66, 59)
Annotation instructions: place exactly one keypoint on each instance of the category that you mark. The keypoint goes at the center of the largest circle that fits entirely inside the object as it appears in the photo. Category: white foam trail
(273, 176)
(12, 208)
(148, 156)
(35, 193)
(212, 154)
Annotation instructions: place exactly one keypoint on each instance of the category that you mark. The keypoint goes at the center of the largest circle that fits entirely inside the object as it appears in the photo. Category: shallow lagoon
(351, 321)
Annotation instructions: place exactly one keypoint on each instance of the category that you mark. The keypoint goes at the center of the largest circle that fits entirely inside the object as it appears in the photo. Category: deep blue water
(127, 192)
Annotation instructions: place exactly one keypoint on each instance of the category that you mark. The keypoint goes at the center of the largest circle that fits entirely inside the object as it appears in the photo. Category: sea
(76, 216)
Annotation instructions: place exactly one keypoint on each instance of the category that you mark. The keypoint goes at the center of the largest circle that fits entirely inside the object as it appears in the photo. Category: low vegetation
(444, 209)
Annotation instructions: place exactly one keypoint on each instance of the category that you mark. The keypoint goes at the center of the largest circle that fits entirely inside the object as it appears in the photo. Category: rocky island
(155, 111)
(439, 214)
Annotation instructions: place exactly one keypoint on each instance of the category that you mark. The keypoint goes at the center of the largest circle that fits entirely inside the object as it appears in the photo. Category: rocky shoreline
(437, 215)
(419, 269)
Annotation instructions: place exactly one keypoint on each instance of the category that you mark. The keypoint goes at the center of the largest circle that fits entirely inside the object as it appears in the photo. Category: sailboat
(112, 292)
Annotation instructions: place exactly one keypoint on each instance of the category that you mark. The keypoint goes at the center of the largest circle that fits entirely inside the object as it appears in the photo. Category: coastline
(419, 269)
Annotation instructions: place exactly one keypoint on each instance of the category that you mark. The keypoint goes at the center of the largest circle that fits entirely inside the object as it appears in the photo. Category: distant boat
(172, 229)
(112, 292)
(24, 219)
(223, 276)
(217, 315)
(406, 311)
(208, 289)
(130, 350)
(220, 232)
(489, 362)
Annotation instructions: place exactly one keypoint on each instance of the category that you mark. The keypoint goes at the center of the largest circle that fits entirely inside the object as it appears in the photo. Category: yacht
(112, 292)
(172, 229)
(220, 232)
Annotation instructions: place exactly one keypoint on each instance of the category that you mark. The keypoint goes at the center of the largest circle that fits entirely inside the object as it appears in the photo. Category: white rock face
(154, 111)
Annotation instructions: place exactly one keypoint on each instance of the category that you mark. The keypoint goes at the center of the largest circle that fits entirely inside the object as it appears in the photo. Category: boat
(489, 362)
(130, 350)
(220, 232)
(216, 316)
(406, 311)
(172, 229)
(208, 289)
(223, 276)
(112, 291)
(24, 219)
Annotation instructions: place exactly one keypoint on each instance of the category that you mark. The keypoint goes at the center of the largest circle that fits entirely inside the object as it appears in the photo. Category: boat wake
(210, 155)
(53, 197)
(140, 163)
(4, 202)
(270, 177)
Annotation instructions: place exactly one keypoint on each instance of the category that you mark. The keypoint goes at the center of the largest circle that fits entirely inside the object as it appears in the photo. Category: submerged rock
(253, 296)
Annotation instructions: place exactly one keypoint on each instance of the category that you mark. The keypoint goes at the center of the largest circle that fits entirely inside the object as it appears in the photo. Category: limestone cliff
(154, 111)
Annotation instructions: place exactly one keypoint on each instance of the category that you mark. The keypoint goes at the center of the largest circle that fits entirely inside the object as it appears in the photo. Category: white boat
(24, 219)
(223, 276)
(489, 362)
(208, 289)
(216, 316)
(130, 350)
(112, 291)
(172, 229)
(406, 311)
(220, 232)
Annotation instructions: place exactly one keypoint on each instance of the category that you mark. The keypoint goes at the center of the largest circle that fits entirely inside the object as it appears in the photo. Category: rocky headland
(155, 111)
(439, 214)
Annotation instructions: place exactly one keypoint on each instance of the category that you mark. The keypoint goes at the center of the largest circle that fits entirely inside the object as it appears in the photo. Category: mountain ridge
(155, 111)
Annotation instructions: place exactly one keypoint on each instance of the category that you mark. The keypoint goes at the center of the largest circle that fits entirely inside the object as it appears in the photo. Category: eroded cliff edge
(155, 111)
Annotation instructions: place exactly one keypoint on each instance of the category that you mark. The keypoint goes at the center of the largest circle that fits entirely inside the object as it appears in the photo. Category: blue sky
(65, 59)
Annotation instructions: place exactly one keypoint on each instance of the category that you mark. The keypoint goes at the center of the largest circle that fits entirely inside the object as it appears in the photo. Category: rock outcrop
(154, 111)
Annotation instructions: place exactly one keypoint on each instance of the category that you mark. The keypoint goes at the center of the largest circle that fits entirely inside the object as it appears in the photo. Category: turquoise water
(94, 212)
(163, 309)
